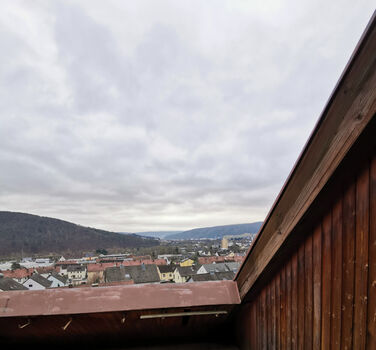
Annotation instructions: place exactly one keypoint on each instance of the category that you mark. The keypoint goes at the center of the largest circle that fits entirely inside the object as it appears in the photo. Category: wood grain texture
(326, 281)
(335, 336)
(371, 335)
(361, 259)
(294, 301)
(301, 300)
(317, 275)
(308, 293)
(348, 241)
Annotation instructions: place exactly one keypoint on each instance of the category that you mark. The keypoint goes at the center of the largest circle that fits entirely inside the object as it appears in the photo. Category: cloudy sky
(163, 115)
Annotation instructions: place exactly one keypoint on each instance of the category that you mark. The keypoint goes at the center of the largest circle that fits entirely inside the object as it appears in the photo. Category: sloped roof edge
(336, 130)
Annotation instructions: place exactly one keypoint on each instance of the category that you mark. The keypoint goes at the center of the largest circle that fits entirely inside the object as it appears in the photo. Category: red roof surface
(18, 273)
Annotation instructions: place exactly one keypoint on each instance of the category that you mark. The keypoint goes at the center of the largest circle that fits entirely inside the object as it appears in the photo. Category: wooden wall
(323, 293)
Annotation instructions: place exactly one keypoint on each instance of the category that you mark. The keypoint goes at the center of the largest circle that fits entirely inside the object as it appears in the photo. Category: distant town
(180, 261)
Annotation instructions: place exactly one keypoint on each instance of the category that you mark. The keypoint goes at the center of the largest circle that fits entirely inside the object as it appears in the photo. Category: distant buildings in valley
(194, 261)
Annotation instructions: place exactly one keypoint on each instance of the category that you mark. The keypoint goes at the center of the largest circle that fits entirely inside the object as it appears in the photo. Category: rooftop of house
(76, 268)
(18, 273)
(221, 267)
(166, 268)
(59, 277)
(143, 273)
(215, 276)
(116, 274)
(41, 280)
(186, 271)
(8, 284)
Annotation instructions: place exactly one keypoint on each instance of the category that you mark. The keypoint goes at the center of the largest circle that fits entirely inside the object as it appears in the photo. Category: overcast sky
(162, 115)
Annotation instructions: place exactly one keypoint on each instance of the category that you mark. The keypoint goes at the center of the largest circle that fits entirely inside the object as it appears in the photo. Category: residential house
(220, 267)
(64, 267)
(8, 284)
(95, 272)
(77, 274)
(166, 272)
(183, 273)
(143, 273)
(19, 275)
(37, 282)
(213, 276)
(186, 262)
(137, 274)
(57, 280)
(211, 259)
(134, 262)
(233, 266)
(116, 274)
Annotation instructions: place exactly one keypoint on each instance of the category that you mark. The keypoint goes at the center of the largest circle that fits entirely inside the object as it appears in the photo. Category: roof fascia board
(348, 111)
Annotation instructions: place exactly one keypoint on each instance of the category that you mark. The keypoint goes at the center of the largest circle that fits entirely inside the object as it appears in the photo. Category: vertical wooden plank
(371, 337)
(283, 308)
(361, 259)
(268, 318)
(317, 268)
(326, 281)
(301, 297)
(278, 310)
(273, 316)
(254, 326)
(244, 327)
(294, 301)
(263, 321)
(308, 293)
(288, 305)
(335, 336)
(348, 241)
(258, 322)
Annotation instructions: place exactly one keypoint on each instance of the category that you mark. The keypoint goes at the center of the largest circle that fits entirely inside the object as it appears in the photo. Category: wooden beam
(349, 110)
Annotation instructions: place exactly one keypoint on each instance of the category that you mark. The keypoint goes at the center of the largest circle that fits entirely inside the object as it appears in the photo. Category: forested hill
(32, 234)
(217, 231)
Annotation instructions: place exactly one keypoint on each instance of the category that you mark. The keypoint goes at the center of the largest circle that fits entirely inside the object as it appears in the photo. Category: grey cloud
(140, 117)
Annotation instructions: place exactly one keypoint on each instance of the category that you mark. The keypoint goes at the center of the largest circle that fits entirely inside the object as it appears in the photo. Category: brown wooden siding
(323, 294)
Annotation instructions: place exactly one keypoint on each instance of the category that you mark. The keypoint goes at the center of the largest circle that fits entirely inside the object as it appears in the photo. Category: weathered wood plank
(326, 281)
(278, 310)
(264, 339)
(336, 275)
(348, 266)
(268, 317)
(288, 305)
(317, 269)
(283, 308)
(301, 297)
(254, 333)
(361, 259)
(308, 293)
(294, 301)
(258, 324)
(273, 316)
(371, 337)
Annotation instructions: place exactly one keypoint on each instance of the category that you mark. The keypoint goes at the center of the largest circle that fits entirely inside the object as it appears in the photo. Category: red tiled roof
(101, 266)
(144, 261)
(18, 273)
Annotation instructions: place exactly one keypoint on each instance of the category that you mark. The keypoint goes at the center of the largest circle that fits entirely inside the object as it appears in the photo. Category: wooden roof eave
(348, 111)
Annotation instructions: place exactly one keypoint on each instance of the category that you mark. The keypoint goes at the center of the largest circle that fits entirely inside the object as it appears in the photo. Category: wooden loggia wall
(323, 295)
